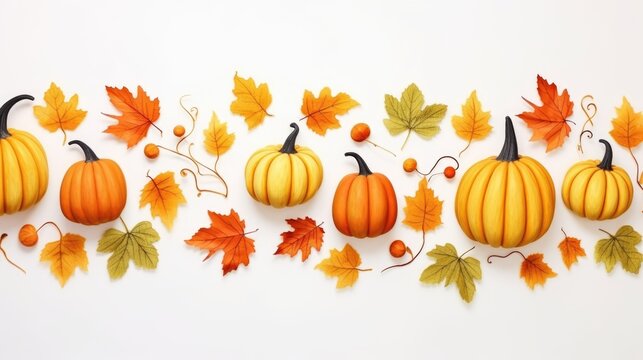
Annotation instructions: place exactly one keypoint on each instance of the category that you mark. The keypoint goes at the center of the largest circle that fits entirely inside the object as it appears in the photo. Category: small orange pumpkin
(93, 191)
(365, 204)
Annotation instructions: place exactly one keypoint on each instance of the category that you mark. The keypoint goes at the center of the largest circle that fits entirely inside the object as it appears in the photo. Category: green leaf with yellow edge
(411, 115)
(620, 248)
(136, 245)
(453, 269)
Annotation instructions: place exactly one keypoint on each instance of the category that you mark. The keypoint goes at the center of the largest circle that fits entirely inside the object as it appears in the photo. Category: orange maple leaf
(424, 210)
(227, 233)
(549, 121)
(65, 255)
(138, 114)
(535, 271)
(570, 249)
(306, 235)
(321, 113)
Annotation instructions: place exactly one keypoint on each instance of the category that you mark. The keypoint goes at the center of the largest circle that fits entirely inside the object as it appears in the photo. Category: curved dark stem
(289, 144)
(509, 150)
(610, 235)
(60, 233)
(606, 164)
(89, 153)
(564, 233)
(590, 135)
(457, 165)
(502, 257)
(638, 172)
(466, 252)
(2, 237)
(4, 113)
(413, 256)
(363, 168)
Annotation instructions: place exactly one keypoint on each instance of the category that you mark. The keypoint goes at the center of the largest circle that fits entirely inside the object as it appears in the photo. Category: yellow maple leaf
(628, 131)
(65, 256)
(252, 101)
(321, 112)
(217, 139)
(164, 197)
(343, 265)
(424, 211)
(58, 113)
(474, 122)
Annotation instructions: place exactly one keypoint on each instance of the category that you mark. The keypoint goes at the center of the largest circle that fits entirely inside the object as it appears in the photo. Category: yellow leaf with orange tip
(570, 249)
(627, 126)
(252, 101)
(474, 122)
(164, 197)
(65, 256)
(321, 112)
(423, 212)
(535, 271)
(344, 265)
(217, 138)
(58, 113)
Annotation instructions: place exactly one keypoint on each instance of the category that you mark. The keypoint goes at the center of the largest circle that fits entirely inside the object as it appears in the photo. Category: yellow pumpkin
(506, 200)
(597, 190)
(284, 175)
(24, 173)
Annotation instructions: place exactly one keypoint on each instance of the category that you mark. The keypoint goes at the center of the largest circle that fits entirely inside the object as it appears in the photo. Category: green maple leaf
(136, 245)
(620, 247)
(411, 115)
(451, 268)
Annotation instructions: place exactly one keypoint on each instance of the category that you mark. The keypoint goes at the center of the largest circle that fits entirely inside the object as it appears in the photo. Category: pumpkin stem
(289, 144)
(89, 153)
(509, 150)
(363, 168)
(606, 164)
(4, 112)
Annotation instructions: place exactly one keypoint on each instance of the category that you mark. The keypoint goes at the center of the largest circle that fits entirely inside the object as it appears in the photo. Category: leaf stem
(610, 235)
(408, 135)
(2, 237)
(124, 224)
(505, 256)
(381, 147)
(54, 224)
(363, 269)
(638, 171)
(464, 253)
(184, 172)
(564, 233)
(413, 257)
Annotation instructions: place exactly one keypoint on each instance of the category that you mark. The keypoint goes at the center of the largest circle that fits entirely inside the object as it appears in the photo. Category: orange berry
(410, 165)
(28, 235)
(360, 132)
(449, 172)
(179, 131)
(397, 248)
(151, 151)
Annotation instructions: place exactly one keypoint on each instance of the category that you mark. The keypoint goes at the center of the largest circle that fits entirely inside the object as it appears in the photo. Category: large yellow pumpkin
(24, 173)
(93, 191)
(506, 200)
(364, 204)
(597, 190)
(284, 175)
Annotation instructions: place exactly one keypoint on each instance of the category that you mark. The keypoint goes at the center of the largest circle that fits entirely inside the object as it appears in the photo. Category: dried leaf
(227, 233)
(535, 271)
(474, 122)
(138, 114)
(620, 248)
(570, 250)
(58, 113)
(65, 256)
(424, 211)
(306, 235)
(321, 113)
(627, 126)
(217, 139)
(453, 269)
(164, 197)
(343, 265)
(136, 245)
(252, 101)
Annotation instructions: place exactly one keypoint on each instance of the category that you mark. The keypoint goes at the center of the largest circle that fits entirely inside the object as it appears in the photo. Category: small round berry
(151, 151)
(397, 248)
(410, 165)
(179, 131)
(360, 132)
(449, 172)
(28, 235)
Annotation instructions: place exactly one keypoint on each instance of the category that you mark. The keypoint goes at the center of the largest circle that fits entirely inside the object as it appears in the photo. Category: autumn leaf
(627, 131)
(423, 212)
(453, 269)
(164, 197)
(227, 233)
(136, 245)
(321, 112)
(217, 139)
(344, 265)
(58, 113)
(65, 256)
(409, 114)
(570, 249)
(306, 235)
(138, 114)
(535, 271)
(549, 121)
(252, 101)
(474, 122)
(620, 248)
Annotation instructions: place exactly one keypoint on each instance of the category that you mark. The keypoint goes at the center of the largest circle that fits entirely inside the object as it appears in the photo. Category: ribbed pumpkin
(506, 200)
(24, 174)
(364, 204)
(596, 189)
(93, 191)
(284, 175)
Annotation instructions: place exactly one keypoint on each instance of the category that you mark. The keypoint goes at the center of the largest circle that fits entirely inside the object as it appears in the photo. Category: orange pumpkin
(365, 204)
(93, 191)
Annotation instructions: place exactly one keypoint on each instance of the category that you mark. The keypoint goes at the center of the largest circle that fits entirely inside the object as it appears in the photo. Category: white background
(279, 307)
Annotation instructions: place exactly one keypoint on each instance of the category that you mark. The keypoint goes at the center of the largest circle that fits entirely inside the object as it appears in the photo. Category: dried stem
(2, 237)
(505, 256)
(590, 111)
(413, 257)
(51, 223)
(381, 147)
(457, 166)
(193, 113)
(185, 171)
